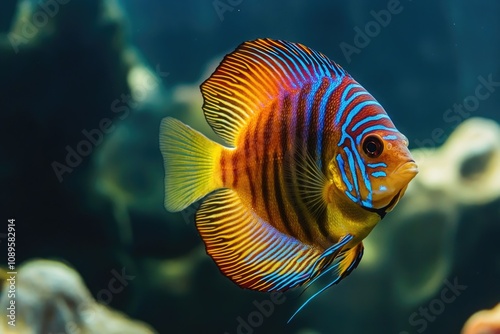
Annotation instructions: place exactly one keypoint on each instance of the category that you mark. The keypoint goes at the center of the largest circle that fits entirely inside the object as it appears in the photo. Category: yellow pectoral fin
(248, 250)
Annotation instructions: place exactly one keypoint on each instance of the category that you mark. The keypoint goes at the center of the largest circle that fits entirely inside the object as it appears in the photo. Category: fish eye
(373, 146)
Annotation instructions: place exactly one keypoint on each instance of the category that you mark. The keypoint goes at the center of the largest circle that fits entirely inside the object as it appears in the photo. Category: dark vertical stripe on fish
(286, 112)
(301, 116)
(299, 147)
(322, 221)
(265, 161)
(327, 135)
(248, 171)
(257, 144)
(234, 163)
(300, 123)
(308, 147)
(314, 118)
(223, 167)
(280, 198)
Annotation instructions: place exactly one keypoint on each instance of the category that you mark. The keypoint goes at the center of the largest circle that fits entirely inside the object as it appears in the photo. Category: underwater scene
(245, 167)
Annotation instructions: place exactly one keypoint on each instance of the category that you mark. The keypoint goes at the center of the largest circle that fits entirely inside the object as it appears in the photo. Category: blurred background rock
(52, 298)
(112, 69)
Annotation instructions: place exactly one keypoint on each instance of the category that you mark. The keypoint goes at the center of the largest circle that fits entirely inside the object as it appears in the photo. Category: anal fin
(341, 267)
(255, 255)
(251, 252)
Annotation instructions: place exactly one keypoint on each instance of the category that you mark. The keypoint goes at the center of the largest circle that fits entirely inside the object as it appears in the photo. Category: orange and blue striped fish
(312, 163)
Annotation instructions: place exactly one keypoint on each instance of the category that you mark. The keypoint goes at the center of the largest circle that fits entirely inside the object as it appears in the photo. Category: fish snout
(407, 169)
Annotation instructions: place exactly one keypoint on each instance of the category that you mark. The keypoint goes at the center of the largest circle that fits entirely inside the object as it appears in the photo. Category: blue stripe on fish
(321, 122)
(379, 164)
(271, 253)
(343, 103)
(265, 61)
(298, 67)
(302, 59)
(366, 180)
(353, 112)
(369, 119)
(292, 60)
(354, 199)
(340, 161)
(310, 101)
(373, 128)
(294, 85)
(352, 168)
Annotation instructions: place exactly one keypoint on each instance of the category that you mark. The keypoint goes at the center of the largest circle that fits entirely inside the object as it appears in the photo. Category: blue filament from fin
(327, 252)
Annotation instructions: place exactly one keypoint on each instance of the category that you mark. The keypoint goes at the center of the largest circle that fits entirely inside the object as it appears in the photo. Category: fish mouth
(401, 177)
(383, 211)
(408, 168)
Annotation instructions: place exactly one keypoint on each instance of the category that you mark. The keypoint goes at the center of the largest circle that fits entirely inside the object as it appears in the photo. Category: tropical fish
(312, 163)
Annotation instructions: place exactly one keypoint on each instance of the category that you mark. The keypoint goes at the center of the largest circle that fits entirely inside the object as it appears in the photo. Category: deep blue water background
(425, 60)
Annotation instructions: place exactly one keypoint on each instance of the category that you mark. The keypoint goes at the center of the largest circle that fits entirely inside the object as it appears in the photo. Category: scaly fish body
(315, 162)
(264, 154)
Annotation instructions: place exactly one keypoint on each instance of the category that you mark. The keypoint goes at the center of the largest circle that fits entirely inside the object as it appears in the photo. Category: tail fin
(191, 164)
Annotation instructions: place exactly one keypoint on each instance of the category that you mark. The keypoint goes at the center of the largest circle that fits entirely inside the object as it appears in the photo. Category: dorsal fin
(255, 74)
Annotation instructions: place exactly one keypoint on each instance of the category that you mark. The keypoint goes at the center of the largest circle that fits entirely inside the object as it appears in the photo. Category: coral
(51, 297)
(483, 322)
(465, 168)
